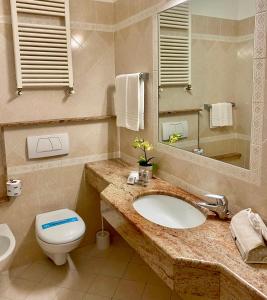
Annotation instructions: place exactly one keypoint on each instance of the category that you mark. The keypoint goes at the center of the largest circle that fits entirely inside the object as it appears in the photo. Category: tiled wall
(130, 58)
(125, 9)
(55, 183)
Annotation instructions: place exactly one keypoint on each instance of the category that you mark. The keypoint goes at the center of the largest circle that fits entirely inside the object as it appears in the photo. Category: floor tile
(17, 271)
(86, 264)
(94, 297)
(174, 296)
(154, 279)
(5, 282)
(19, 289)
(113, 267)
(78, 281)
(84, 250)
(104, 286)
(122, 253)
(35, 272)
(118, 273)
(56, 276)
(130, 290)
(43, 292)
(137, 259)
(117, 240)
(67, 294)
(137, 272)
(154, 292)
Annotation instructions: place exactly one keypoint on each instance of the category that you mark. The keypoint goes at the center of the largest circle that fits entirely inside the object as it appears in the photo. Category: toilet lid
(59, 226)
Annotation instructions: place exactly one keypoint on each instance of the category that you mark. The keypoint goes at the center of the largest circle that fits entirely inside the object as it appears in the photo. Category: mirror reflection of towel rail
(209, 106)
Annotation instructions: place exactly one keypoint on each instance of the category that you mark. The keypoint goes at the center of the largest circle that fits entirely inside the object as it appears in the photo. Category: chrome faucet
(219, 207)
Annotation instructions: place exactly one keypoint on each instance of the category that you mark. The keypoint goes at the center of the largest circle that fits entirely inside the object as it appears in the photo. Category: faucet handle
(220, 199)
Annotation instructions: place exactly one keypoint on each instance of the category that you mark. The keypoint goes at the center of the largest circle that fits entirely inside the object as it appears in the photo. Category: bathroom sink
(169, 211)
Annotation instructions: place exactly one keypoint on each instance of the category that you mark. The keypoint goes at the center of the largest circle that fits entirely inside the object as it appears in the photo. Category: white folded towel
(221, 114)
(135, 102)
(120, 99)
(248, 231)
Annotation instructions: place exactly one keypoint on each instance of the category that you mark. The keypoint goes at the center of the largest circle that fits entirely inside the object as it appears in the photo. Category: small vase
(147, 168)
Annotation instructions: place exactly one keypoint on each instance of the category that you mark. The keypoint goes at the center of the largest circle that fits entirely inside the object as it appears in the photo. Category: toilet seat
(59, 227)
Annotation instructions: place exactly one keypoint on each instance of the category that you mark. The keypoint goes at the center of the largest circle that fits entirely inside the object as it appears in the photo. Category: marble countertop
(209, 246)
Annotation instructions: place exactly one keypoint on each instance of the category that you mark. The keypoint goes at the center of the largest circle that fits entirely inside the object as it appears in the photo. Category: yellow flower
(140, 143)
(174, 138)
(147, 146)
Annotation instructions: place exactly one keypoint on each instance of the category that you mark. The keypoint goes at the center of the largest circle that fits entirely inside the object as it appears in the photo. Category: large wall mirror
(206, 78)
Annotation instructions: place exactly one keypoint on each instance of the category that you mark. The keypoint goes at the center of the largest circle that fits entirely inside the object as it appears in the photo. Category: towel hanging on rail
(121, 82)
(129, 101)
(221, 114)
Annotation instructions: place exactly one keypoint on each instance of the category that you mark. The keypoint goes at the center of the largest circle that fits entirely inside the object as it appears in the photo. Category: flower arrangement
(144, 146)
(174, 138)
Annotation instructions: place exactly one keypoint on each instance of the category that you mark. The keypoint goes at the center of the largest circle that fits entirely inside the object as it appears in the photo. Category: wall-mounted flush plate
(169, 128)
(47, 145)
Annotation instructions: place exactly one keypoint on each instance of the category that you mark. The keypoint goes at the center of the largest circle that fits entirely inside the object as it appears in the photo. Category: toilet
(58, 233)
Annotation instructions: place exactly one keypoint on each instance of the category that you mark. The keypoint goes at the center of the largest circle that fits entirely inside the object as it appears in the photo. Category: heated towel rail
(42, 51)
(175, 46)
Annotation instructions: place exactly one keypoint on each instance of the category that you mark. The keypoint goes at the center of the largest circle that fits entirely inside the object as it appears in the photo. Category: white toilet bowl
(7, 246)
(58, 233)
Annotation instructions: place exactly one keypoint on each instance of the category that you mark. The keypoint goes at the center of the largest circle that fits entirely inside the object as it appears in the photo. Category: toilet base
(58, 258)
(58, 253)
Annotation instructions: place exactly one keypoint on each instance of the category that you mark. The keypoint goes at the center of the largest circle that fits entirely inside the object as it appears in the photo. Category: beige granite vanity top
(208, 246)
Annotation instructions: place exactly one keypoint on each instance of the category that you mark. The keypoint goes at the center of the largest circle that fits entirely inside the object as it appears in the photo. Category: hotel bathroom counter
(203, 256)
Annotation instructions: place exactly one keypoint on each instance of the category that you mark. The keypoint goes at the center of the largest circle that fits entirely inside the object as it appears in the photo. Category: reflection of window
(175, 45)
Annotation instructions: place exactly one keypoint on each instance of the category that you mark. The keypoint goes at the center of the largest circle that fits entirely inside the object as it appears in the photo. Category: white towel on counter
(129, 101)
(135, 102)
(221, 114)
(120, 99)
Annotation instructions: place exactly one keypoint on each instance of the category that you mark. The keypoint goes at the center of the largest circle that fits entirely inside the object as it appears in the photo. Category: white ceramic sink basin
(169, 211)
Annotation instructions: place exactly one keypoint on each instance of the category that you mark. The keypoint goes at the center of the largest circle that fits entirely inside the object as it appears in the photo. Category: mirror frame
(253, 174)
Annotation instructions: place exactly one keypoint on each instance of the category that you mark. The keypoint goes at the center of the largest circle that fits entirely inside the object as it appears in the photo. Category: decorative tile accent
(259, 80)
(257, 122)
(92, 26)
(260, 36)
(261, 5)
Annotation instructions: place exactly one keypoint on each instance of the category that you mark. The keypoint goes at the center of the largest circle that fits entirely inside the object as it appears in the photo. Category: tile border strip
(6, 19)
(223, 38)
(59, 163)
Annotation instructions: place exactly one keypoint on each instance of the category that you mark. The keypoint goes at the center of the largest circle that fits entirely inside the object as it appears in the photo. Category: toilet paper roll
(13, 187)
